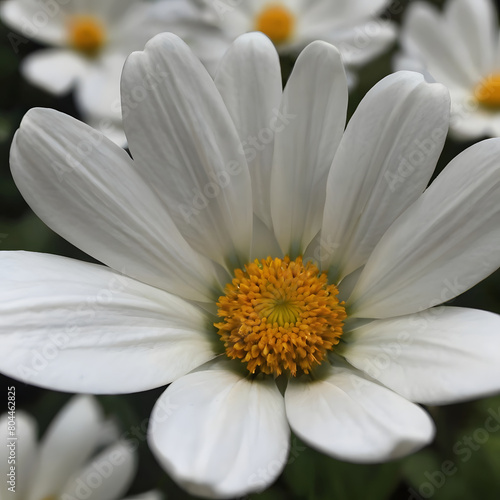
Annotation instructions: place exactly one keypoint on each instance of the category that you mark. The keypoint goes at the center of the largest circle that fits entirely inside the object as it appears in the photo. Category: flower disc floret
(487, 92)
(277, 22)
(280, 316)
(86, 35)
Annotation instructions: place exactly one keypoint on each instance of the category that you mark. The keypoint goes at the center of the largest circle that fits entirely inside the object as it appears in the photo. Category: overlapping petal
(215, 431)
(89, 191)
(182, 135)
(352, 418)
(312, 112)
(73, 326)
(383, 164)
(441, 356)
(249, 80)
(442, 245)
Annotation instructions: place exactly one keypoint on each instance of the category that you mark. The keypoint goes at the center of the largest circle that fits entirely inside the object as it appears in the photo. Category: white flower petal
(74, 326)
(98, 91)
(351, 418)
(249, 80)
(441, 356)
(313, 113)
(476, 28)
(444, 244)
(149, 495)
(90, 192)
(43, 22)
(114, 12)
(54, 70)
(426, 34)
(23, 450)
(180, 132)
(69, 441)
(215, 431)
(360, 44)
(383, 164)
(113, 130)
(344, 13)
(107, 477)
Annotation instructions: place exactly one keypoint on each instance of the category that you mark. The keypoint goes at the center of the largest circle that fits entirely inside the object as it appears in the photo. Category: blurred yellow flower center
(280, 316)
(487, 92)
(277, 22)
(86, 34)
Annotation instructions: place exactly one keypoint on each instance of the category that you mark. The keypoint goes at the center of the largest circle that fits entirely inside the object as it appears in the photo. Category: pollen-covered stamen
(487, 92)
(277, 22)
(280, 316)
(86, 34)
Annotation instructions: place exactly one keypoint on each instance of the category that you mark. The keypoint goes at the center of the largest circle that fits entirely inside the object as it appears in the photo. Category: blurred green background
(463, 462)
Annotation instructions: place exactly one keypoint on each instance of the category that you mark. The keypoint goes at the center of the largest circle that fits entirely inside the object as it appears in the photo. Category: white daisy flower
(331, 332)
(90, 40)
(291, 24)
(459, 48)
(64, 465)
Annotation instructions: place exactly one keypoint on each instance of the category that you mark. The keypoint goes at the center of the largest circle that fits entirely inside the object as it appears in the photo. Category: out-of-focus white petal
(249, 80)
(426, 35)
(90, 192)
(149, 495)
(107, 477)
(215, 431)
(98, 91)
(359, 44)
(40, 21)
(383, 164)
(445, 243)
(79, 327)
(351, 418)
(343, 13)
(440, 356)
(180, 132)
(475, 25)
(312, 117)
(54, 70)
(19, 450)
(69, 441)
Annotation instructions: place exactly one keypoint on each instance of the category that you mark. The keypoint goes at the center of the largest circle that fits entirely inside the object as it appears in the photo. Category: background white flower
(228, 170)
(64, 465)
(353, 27)
(90, 41)
(459, 48)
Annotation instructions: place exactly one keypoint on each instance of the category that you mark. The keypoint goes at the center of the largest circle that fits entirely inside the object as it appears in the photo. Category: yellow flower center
(86, 34)
(280, 316)
(277, 22)
(487, 92)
